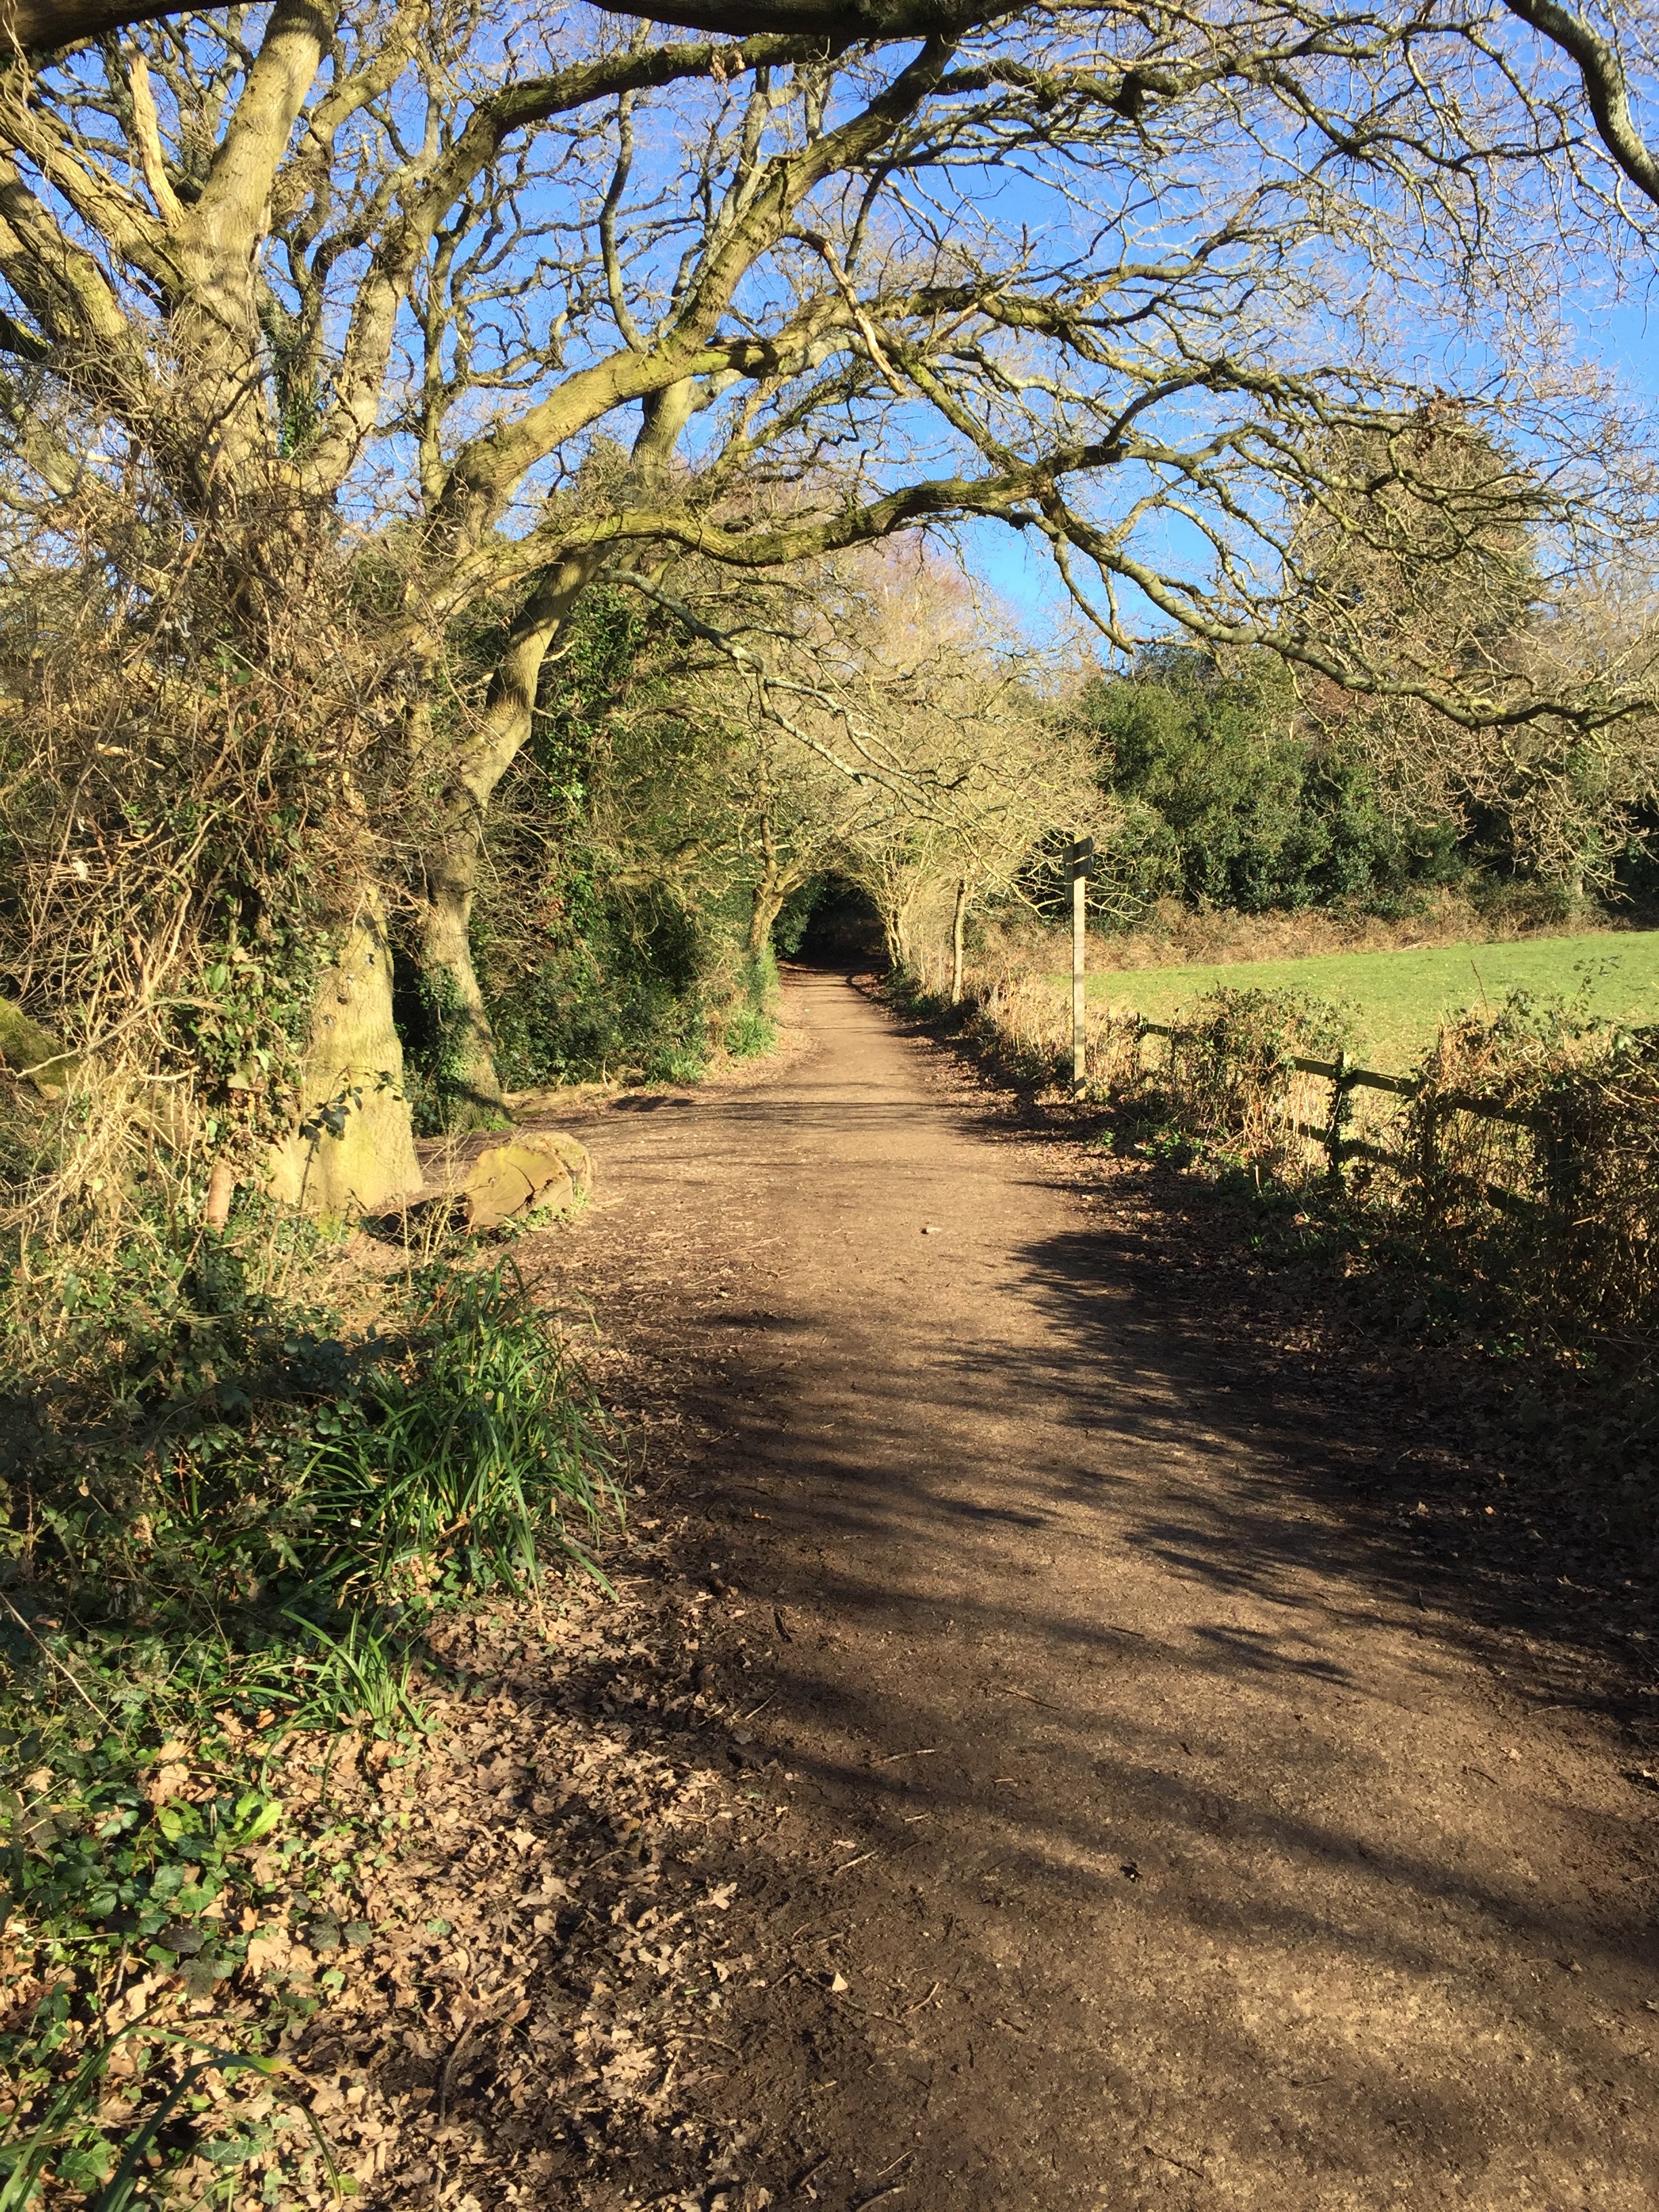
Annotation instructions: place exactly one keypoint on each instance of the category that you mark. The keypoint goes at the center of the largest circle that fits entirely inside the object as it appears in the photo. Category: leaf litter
(507, 1986)
(534, 2014)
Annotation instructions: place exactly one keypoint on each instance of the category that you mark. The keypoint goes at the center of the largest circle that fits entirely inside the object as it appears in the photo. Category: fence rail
(1345, 1078)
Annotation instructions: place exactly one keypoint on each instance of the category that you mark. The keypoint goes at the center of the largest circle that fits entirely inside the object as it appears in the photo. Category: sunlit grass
(1401, 998)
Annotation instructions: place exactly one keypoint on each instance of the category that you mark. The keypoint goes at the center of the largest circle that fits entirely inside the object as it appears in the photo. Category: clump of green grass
(445, 1454)
(456, 1466)
(749, 1032)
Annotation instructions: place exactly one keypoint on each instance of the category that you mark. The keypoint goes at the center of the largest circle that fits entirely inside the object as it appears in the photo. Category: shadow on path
(1182, 1822)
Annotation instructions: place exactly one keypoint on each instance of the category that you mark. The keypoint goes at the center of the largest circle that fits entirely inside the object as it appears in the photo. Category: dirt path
(1146, 1830)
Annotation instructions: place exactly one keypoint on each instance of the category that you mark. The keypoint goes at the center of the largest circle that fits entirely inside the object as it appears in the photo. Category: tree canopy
(447, 317)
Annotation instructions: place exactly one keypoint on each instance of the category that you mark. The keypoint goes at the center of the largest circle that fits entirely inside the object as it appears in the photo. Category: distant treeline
(1230, 798)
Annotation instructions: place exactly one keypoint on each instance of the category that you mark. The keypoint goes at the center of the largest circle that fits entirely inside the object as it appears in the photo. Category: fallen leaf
(271, 1947)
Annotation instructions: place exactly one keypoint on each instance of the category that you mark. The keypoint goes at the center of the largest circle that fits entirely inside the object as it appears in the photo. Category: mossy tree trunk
(353, 1151)
(33, 1053)
(470, 1083)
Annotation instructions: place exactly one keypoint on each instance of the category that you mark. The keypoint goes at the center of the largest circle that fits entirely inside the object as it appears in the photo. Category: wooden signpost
(1080, 859)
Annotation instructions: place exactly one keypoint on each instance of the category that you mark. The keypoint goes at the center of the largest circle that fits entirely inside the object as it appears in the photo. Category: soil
(1180, 1795)
(1096, 1730)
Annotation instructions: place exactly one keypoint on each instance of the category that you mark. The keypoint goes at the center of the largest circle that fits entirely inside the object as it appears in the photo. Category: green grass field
(1401, 997)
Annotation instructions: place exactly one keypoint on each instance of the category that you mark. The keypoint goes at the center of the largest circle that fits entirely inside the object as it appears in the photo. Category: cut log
(548, 1172)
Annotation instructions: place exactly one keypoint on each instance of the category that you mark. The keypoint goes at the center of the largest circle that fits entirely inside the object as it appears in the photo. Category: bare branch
(1605, 87)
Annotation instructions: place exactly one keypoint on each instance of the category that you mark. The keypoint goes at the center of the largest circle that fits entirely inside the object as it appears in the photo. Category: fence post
(1341, 1086)
(1080, 859)
(1428, 1143)
(1079, 1059)
(1566, 1160)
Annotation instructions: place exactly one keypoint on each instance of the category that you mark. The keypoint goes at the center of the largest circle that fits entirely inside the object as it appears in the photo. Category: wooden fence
(1424, 1164)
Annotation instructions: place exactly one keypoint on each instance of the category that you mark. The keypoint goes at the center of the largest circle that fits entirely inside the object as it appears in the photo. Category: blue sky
(1628, 337)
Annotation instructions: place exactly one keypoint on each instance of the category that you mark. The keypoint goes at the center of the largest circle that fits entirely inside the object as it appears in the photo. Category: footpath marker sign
(1080, 859)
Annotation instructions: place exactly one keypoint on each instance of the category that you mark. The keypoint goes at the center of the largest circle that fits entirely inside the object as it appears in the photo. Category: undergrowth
(230, 1512)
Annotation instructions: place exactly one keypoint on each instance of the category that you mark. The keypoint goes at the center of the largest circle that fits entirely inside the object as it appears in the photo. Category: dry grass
(1171, 935)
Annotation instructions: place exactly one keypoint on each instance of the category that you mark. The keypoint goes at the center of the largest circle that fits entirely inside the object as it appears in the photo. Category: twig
(893, 1758)
(52, 1659)
(760, 1708)
(451, 2068)
(848, 1864)
(1152, 2152)
(867, 2011)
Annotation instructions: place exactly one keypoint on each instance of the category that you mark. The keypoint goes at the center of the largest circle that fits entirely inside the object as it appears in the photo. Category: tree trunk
(896, 927)
(464, 1071)
(469, 1087)
(767, 905)
(772, 887)
(353, 1151)
(957, 921)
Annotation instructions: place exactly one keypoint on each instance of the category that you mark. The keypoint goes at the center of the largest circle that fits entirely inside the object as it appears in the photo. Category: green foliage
(748, 1032)
(244, 1037)
(1224, 804)
(609, 935)
(226, 1520)
(119, 1860)
(232, 1450)
(97, 1870)
(795, 915)
(432, 1024)
(1432, 545)
(67, 2140)
(1230, 1078)
(1265, 1030)
(454, 1466)
(113, 1850)
(618, 982)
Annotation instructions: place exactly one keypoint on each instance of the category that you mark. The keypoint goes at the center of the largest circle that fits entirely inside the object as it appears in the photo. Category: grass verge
(233, 1527)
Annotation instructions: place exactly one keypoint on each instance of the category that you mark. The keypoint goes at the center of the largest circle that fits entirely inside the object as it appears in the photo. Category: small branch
(52, 1660)
(613, 283)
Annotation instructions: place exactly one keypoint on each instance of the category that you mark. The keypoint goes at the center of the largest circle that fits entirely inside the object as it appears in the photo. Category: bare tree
(485, 312)
(1433, 547)
(995, 771)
